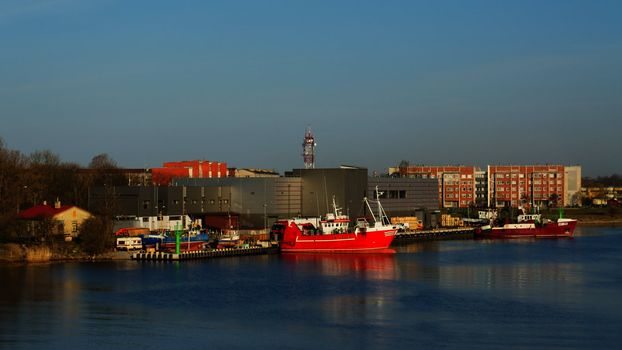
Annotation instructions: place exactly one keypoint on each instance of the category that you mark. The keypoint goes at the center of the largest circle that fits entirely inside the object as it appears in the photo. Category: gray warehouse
(257, 202)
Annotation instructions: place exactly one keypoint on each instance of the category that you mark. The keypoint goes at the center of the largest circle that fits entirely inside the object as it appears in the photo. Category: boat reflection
(369, 266)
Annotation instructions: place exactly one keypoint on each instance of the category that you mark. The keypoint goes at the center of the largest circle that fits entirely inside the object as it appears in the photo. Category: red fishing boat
(530, 225)
(332, 234)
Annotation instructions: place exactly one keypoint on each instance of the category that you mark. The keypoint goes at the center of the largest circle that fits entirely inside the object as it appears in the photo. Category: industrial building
(253, 203)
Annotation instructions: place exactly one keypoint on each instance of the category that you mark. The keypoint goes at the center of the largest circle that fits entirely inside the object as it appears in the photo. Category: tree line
(606, 181)
(30, 179)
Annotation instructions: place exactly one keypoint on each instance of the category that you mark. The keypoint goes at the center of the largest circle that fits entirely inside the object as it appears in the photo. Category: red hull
(371, 241)
(550, 230)
(371, 266)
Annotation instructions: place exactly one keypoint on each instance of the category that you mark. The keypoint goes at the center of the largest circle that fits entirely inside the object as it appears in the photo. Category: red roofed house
(67, 218)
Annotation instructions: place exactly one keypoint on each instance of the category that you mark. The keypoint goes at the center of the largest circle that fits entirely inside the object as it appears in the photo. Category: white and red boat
(531, 225)
(332, 234)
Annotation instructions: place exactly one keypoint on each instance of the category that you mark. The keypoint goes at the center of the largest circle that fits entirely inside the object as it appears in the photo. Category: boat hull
(167, 243)
(184, 246)
(371, 241)
(550, 230)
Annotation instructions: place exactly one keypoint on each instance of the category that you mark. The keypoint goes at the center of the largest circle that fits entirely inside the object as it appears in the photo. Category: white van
(129, 243)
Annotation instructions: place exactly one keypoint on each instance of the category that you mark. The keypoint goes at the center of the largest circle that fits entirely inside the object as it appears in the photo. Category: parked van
(129, 243)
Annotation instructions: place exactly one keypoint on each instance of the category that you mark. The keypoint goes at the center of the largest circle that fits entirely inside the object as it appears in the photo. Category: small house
(66, 219)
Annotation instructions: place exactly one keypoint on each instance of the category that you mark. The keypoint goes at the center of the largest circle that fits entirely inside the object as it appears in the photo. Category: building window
(74, 226)
(383, 194)
(146, 204)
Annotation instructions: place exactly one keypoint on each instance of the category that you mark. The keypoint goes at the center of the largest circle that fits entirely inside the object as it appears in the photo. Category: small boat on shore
(332, 234)
(166, 242)
(229, 239)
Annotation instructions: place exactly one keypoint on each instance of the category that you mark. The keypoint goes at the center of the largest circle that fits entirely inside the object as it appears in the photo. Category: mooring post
(177, 238)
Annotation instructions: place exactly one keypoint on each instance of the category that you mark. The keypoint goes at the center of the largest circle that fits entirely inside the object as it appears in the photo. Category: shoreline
(17, 254)
(599, 223)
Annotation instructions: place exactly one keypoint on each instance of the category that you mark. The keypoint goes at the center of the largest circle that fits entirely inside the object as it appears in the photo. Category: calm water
(454, 294)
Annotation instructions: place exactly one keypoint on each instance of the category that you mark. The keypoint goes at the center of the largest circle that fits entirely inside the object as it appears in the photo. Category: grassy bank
(40, 253)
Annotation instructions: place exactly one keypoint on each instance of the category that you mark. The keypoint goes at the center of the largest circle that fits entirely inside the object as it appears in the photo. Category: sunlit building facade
(526, 186)
(456, 183)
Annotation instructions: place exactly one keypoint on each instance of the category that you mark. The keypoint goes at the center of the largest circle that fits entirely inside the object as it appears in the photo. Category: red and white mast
(308, 149)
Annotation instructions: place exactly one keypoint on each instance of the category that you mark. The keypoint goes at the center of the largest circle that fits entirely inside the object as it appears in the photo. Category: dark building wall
(255, 201)
(402, 196)
(347, 185)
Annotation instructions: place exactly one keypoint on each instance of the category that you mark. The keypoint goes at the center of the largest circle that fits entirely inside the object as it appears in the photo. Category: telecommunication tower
(308, 149)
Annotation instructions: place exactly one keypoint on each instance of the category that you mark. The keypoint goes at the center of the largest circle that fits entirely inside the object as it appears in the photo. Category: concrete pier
(437, 234)
(203, 254)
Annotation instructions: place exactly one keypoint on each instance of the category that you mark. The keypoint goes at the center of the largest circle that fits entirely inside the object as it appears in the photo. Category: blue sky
(431, 82)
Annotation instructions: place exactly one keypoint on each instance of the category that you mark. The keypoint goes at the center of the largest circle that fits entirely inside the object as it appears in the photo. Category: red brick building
(526, 185)
(456, 183)
(187, 169)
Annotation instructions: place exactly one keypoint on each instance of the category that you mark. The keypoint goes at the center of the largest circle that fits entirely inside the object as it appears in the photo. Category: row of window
(464, 195)
(463, 189)
(392, 194)
(147, 203)
(534, 175)
(535, 195)
(536, 182)
(535, 189)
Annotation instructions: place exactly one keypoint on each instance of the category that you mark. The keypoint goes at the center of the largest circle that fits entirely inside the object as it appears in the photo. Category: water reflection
(543, 271)
(427, 294)
(365, 265)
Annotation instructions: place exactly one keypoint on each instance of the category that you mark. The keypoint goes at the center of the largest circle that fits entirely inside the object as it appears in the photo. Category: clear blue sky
(431, 82)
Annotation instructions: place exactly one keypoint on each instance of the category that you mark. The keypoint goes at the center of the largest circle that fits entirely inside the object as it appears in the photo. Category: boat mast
(379, 206)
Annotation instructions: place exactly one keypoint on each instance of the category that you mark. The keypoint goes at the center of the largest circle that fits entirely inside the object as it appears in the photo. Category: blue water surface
(562, 293)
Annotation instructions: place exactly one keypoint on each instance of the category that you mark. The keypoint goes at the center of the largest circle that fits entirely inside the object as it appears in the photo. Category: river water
(563, 293)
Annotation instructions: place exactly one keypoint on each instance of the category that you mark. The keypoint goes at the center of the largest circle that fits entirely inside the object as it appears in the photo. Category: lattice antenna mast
(308, 149)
